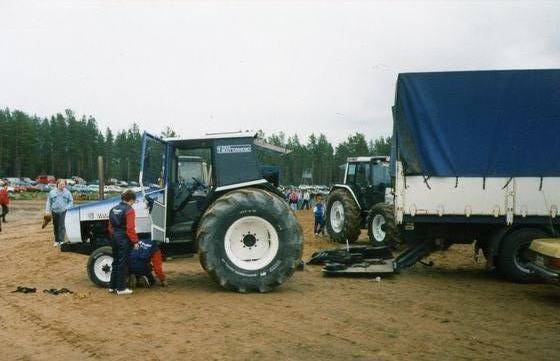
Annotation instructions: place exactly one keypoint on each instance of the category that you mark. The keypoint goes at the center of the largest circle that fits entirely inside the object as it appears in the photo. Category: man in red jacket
(4, 201)
(122, 228)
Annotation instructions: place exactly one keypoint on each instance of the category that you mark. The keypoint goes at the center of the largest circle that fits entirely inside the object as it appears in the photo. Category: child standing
(319, 213)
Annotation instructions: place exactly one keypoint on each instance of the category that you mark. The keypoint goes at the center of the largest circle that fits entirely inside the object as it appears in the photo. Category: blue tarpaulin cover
(478, 123)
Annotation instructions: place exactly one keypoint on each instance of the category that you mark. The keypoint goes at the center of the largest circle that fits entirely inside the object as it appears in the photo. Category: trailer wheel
(249, 240)
(99, 266)
(511, 259)
(382, 230)
(343, 217)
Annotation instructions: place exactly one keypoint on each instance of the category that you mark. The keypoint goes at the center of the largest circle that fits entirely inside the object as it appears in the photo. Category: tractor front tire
(99, 266)
(343, 217)
(249, 240)
(382, 229)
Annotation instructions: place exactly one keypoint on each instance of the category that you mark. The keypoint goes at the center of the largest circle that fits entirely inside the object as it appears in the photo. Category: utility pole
(101, 175)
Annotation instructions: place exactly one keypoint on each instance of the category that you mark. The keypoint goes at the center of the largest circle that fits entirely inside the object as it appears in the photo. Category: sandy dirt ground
(453, 311)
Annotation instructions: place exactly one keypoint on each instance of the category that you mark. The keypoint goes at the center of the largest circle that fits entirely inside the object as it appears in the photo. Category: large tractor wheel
(512, 260)
(99, 266)
(343, 217)
(382, 229)
(249, 240)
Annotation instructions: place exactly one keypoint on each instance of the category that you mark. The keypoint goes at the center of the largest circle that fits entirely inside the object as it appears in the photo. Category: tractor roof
(209, 139)
(382, 158)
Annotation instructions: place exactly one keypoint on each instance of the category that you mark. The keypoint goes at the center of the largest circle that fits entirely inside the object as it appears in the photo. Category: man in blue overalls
(122, 228)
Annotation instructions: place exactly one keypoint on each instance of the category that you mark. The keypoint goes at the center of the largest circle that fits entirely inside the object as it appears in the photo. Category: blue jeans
(319, 226)
(58, 226)
(119, 269)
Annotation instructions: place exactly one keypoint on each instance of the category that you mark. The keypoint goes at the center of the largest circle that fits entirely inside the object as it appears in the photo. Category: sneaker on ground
(126, 291)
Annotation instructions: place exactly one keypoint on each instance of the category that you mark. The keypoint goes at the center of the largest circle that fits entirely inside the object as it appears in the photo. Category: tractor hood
(98, 211)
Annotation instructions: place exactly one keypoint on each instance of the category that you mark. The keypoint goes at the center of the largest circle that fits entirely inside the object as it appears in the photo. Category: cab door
(154, 178)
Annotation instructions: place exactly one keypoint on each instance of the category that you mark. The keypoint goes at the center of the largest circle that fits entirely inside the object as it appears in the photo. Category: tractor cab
(368, 178)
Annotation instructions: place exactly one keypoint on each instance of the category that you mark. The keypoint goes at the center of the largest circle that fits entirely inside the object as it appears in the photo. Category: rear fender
(347, 188)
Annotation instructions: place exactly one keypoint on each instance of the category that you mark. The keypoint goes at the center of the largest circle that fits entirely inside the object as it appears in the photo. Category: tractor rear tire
(249, 240)
(511, 260)
(382, 229)
(99, 266)
(343, 217)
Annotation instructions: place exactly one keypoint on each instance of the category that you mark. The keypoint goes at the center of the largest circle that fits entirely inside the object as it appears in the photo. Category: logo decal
(233, 148)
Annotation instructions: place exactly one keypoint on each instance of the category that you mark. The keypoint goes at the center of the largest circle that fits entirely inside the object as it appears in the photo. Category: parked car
(544, 258)
(28, 180)
(81, 188)
(17, 184)
(78, 180)
(69, 181)
(93, 187)
(32, 187)
(113, 189)
(45, 179)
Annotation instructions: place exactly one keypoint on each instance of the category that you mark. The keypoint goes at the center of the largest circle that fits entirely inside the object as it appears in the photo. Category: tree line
(316, 160)
(65, 145)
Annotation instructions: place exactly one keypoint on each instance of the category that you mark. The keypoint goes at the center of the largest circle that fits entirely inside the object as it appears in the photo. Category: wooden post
(101, 175)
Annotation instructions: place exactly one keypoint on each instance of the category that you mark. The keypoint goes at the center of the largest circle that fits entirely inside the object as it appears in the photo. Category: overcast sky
(294, 66)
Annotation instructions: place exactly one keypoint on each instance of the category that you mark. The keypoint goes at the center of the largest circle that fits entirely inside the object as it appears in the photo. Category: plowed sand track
(453, 311)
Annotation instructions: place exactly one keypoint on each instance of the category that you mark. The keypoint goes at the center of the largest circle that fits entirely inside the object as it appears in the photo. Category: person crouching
(122, 228)
(143, 260)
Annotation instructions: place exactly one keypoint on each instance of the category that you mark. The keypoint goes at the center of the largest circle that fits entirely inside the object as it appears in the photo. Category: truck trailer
(475, 159)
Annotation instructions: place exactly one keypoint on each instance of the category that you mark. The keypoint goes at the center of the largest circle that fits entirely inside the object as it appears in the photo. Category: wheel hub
(249, 240)
(337, 216)
(102, 268)
(377, 228)
(251, 243)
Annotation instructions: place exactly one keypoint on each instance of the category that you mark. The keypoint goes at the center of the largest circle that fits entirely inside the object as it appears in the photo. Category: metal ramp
(367, 267)
(362, 260)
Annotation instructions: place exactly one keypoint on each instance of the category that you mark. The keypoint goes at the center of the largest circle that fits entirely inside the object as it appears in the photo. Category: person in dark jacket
(4, 201)
(122, 228)
(143, 260)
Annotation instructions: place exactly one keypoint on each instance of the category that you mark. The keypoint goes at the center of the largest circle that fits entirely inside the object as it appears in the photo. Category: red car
(45, 179)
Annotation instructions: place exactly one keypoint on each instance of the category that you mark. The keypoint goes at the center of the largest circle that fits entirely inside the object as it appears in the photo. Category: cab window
(358, 174)
(381, 176)
(193, 164)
